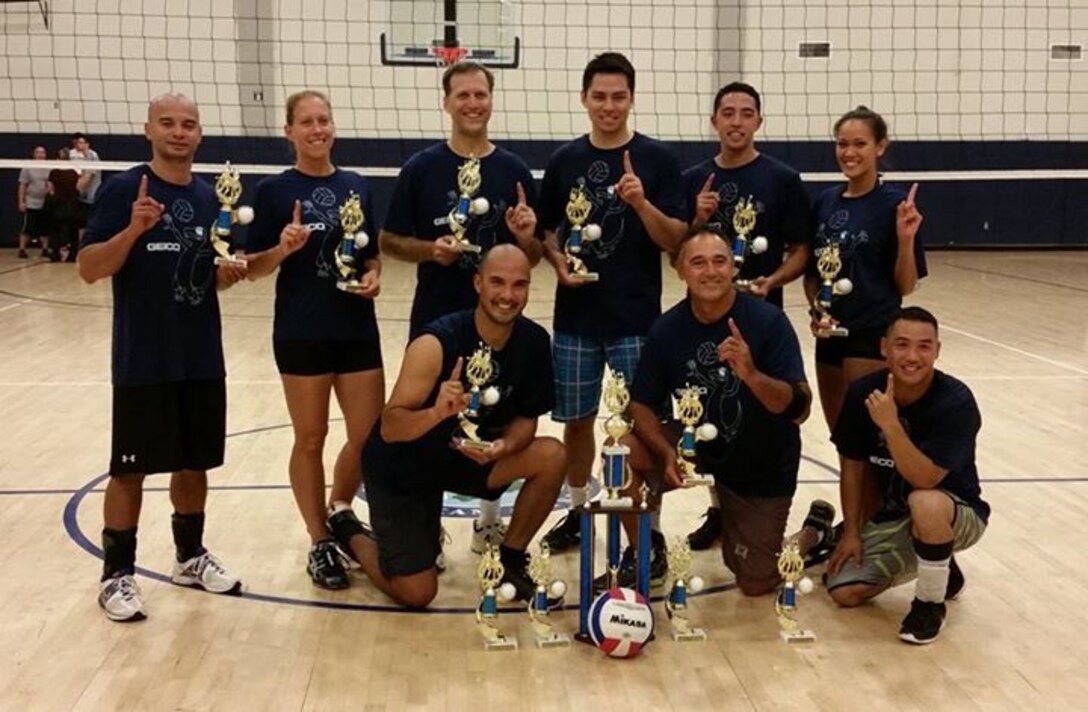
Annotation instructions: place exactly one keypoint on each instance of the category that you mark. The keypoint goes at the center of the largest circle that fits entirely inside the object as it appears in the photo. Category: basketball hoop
(445, 56)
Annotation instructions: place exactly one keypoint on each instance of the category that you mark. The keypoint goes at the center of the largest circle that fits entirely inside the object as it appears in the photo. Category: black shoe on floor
(344, 525)
(627, 576)
(821, 518)
(565, 535)
(708, 534)
(325, 568)
(524, 587)
(924, 622)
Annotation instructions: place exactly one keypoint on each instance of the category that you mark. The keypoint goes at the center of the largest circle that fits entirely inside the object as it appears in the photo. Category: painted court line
(1022, 352)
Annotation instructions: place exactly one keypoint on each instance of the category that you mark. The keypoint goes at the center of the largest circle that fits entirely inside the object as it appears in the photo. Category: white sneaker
(484, 535)
(120, 598)
(206, 572)
(440, 560)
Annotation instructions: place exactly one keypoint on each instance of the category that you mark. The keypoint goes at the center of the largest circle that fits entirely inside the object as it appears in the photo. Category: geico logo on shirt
(882, 461)
(312, 227)
(163, 247)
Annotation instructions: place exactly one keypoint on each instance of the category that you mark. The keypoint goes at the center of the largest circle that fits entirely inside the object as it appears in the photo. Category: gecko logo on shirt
(882, 461)
(163, 247)
(722, 398)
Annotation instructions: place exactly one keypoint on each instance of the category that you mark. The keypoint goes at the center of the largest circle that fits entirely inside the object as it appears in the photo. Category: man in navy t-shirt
(150, 232)
(910, 489)
(744, 358)
(632, 185)
(739, 172)
(417, 225)
(418, 449)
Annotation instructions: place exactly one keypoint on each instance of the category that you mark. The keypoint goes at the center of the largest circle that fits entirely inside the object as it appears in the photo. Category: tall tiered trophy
(791, 567)
(468, 205)
(744, 221)
(578, 209)
(352, 241)
(540, 570)
(829, 264)
(228, 188)
(683, 582)
(490, 572)
(478, 372)
(689, 411)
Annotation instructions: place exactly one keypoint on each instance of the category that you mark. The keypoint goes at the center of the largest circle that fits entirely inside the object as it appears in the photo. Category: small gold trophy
(468, 206)
(829, 264)
(676, 605)
(744, 221)
(689, 410)
(791, 567)
(615, 471)
(228, 188)
(352, 241)
(578, 209)
(478, 371)
(540, 570)
(490, 572)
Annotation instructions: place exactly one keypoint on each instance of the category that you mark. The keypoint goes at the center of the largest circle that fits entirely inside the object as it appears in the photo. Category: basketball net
(445, 56)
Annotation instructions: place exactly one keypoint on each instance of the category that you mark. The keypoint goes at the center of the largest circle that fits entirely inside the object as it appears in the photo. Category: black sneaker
(625, 576)
(325, 568)
(956, 581)
(628, 571)
(22, 254)
(821, 519)
(565, 535)
(344, 525)
(524, 587)
(924, 622)
(708, 534)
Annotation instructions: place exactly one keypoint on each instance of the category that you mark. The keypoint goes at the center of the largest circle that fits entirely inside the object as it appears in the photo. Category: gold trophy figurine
(791, 567)
(468, 205)
(829, 264)
(478, 371)
(228, 188)
(683, 582)
(490, 572)
(353, 240)
(540, 570)
(744, 221)
(578, 209)
(615, 472)
(689, 410)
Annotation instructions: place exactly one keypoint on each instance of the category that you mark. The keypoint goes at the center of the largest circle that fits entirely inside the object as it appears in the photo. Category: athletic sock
(490, 512)
(932, 570)
(188, 535)
(119, 552)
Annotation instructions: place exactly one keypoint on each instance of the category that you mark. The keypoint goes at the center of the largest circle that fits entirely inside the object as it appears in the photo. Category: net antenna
(43, 7)
(429, 32)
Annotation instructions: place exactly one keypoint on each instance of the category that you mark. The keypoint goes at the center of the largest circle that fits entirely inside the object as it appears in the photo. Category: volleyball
(621, 622)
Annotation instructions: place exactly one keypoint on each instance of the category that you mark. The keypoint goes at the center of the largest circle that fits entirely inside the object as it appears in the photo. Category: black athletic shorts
(407, 520)
(168, 427)
(35, 223)
(317, 358)
(861, 343)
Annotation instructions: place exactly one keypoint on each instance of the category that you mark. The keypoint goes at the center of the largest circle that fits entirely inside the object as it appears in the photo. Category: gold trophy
(478, 371)
(490, 572)
(468, 206)
(689, 410)
(791, 567)
(615, 472)
(829, 264)
(676, 604)
(228, 188)
(540, 570)
(352, 241)
(744, 221)
(578, 209)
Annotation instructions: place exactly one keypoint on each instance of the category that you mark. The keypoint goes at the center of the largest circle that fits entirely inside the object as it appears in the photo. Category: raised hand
(294, 235)
(146, 211)
(520, 218)
(630, 187)
(706, 202)
(452, 398)
(882, 408)
(735, 352)
(907, 217)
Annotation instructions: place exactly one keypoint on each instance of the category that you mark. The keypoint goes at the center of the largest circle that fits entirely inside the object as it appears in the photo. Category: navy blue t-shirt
(308, 304)
(627, 298)
(864, 228)
(943, 424)
(522, 373)
(784, 213)
(756, 453)
(425, 193)
(166, 325)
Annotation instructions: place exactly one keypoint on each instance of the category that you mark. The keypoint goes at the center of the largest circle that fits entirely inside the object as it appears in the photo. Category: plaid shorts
(579, 367)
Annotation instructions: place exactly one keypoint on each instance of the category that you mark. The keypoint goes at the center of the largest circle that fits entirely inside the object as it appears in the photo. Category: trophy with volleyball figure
(578, 209)
(745, 215)
(615, 475)
(683, 583)
(489, 572)
(829, 264)
(689, 411)
(351, 244)
(228, 188)
(540, 570)
(468, 205)
(478, 371)
(791, 567)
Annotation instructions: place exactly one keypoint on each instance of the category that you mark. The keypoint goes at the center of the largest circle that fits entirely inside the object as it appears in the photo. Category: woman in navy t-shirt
(325, 338)
(875, 227)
